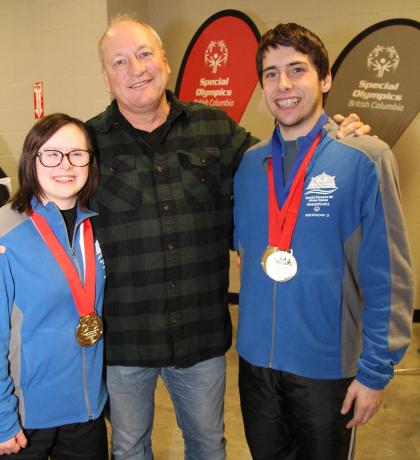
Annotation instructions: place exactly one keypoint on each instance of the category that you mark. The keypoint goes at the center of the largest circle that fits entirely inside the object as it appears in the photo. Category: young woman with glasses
(52, 279)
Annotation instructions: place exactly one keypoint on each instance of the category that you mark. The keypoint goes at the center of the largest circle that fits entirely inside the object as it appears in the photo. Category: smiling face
(135, 68)
(61, 184)
(292, 90)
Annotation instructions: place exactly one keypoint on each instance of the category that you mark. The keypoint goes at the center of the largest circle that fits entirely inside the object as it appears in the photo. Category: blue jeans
(197, 393)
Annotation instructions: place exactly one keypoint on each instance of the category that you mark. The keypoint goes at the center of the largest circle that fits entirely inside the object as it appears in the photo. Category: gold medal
(279, 265)
(89, 330)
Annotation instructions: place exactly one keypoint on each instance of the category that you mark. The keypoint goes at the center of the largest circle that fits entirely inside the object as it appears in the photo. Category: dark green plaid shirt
(165, 226)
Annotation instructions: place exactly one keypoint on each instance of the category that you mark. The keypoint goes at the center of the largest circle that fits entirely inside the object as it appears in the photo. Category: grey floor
(393, 434)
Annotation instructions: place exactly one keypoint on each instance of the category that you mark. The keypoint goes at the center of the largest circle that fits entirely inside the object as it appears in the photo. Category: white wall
(137, 7)
(53, 41)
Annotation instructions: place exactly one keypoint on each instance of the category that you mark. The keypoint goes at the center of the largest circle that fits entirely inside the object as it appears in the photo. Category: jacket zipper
(89, 411)
(71, 244)
(273, 328)
(73, 252)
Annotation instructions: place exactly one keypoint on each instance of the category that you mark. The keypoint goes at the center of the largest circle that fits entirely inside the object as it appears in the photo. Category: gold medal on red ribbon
(279, 265)
(89, 330)
(90, 327)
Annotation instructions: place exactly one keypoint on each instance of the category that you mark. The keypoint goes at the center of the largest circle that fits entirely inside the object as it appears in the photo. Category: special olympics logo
(216, 54)
(383, 59)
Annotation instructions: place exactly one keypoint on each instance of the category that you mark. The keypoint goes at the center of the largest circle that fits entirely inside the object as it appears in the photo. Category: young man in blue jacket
(326, 282)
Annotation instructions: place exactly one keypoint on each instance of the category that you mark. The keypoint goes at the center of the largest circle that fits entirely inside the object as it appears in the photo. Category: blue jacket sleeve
(9, 422)
(385, 275)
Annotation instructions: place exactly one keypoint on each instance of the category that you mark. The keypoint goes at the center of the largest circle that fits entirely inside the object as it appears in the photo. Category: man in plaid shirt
(164, 199)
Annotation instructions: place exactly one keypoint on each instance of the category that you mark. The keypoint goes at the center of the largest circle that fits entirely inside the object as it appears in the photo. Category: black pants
(77, 441)
(288, 417)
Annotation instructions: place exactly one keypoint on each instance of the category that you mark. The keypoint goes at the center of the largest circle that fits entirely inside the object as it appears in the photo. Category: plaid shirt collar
(113, 117)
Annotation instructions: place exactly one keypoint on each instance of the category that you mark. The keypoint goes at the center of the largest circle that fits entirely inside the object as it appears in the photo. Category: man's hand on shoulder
(366, 400)
(350, 125)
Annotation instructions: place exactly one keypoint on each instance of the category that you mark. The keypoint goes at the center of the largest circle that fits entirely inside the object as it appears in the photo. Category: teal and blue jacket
(348, 310)
(46, 378)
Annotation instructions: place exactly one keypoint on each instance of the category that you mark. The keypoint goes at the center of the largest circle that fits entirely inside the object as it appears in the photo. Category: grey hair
(129, 18)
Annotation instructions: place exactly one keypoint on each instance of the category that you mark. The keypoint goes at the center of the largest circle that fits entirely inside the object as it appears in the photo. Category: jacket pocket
(119, 185)
(201, 174)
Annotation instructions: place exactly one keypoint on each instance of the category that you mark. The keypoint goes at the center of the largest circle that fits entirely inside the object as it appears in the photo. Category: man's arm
(386, 281)
(349, 125)
(240, 140)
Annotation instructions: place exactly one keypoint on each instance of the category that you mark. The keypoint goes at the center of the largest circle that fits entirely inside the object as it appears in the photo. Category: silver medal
(278, 264)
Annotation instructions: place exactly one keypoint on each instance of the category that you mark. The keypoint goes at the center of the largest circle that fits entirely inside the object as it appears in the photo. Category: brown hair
(299, 38)
(39, 134)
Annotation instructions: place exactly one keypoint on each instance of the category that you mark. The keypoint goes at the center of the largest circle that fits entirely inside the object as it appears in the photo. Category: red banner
(218, 68)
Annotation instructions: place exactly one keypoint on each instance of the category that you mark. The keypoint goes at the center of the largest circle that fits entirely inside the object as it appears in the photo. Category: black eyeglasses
(53, 158)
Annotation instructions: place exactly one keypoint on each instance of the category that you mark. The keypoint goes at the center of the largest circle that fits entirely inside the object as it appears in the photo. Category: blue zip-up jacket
(348, 310)
(46, 378)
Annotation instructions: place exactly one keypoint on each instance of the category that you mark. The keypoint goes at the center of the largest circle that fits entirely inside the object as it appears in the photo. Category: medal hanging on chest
(278, 261)
(90, 327)
(89, 330)
(279, 265)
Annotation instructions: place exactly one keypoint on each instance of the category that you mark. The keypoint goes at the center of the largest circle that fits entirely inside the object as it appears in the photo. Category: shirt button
(170, 247)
